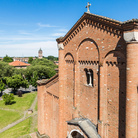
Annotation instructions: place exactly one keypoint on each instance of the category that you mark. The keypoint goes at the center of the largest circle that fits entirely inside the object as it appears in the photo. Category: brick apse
(95, 93)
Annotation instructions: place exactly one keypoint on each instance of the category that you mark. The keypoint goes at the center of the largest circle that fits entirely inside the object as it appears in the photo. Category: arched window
(76, 134)
(89, 77)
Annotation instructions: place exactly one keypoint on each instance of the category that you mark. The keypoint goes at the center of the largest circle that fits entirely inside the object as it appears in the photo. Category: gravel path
(33, 104)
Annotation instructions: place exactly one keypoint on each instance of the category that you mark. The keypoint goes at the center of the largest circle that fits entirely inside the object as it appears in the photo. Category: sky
(28, 25)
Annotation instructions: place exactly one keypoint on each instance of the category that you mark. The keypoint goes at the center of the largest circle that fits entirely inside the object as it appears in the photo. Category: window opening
(89, 77)
(76, 134)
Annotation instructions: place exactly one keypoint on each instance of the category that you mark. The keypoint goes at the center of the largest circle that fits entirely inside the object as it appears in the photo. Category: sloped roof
(18, 64)
(86, 125)
(99, 19)
(46, 81)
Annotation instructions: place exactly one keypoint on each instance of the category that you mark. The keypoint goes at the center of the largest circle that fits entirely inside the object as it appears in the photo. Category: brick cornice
(46, 81)
(101, 22)
(130, 25)
(107, 24)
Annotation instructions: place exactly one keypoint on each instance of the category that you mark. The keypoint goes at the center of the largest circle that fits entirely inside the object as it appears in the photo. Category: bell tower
(40, 53)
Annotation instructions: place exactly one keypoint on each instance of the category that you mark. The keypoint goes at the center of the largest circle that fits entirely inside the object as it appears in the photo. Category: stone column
(131, 39)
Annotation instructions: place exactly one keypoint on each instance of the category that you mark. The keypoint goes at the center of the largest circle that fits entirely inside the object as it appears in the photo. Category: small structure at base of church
(30, 111)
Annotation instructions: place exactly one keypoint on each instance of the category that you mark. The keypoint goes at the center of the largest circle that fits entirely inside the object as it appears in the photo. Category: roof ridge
(107, 18)
(45, 81)
(85, 16)
(17, 62)
(129, 21)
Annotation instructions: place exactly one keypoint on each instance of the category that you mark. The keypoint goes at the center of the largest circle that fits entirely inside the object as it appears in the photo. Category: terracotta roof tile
(18, 63)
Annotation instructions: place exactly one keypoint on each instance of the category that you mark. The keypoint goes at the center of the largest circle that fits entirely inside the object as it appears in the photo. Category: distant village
(22, 62)
(25, 59)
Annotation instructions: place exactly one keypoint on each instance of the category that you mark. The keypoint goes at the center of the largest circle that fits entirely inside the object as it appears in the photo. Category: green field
(11, 113)
(7, 117)
(22, 103)
(18, 130)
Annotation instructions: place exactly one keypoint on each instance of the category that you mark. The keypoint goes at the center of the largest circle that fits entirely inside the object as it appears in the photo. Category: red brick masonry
(98, 80)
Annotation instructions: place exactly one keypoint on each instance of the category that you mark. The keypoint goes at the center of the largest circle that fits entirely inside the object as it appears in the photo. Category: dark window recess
(89, 77)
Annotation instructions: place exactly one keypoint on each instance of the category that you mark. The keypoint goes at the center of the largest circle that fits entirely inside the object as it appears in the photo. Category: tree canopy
(30, 60)
(16, 78)
(16, 82)
(7, 59)
(45, 62)
(52, 58)
(6, 70)
(2, 86)
(38, 72)
(39, 69)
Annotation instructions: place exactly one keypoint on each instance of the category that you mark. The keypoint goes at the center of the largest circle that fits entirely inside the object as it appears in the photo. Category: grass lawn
(18, 130)
(7, 117)
(22, 103)
(11, 113)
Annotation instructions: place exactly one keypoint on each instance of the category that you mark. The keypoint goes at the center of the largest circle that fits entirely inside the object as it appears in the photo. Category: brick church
(95, 92)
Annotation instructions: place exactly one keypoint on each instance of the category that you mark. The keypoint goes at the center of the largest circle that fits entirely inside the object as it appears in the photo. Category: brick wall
(93, 80)
(48, 104)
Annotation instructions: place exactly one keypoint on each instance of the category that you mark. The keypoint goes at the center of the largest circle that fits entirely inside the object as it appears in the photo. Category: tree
(6, 70)
(19, 71)
(7, 98)
(30, 60)
(45, 62)
(16, 81)
(39, 69)
(33, 79)
(52, 58)
(2, 86)
(7, 59)
(33, 73)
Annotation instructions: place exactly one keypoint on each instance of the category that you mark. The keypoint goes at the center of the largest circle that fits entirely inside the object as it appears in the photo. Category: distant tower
(40, 53)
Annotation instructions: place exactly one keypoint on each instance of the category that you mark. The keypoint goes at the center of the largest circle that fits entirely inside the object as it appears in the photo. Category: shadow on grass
(23, 92)
(13, 102)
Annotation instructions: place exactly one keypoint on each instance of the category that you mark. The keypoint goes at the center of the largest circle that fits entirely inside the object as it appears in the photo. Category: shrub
(7, 98)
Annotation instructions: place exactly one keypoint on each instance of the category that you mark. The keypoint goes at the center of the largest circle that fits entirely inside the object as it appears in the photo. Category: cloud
(63, 30)
(23, 32)
(45, 25)
(40, 25)
(31, 38)
(29, 49)
(58, 34)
